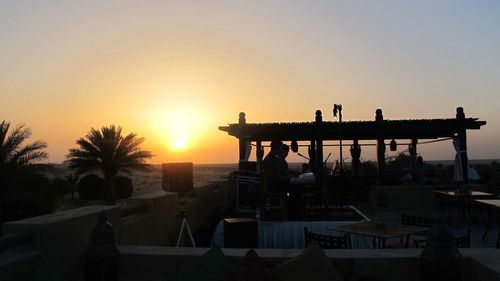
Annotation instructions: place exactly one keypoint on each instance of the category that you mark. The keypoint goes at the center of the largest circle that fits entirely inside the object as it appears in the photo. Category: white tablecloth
(290, 234)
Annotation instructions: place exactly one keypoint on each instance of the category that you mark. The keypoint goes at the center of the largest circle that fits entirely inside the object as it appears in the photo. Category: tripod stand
(184, 227)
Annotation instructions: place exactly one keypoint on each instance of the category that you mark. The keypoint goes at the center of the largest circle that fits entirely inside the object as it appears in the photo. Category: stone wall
(161, 263)
(61, 238)
(157, 226)
(209, 203)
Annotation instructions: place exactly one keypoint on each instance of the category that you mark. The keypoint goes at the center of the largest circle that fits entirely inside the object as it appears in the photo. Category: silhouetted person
(272, 165)
(419, 170)
(294, 191)
(283, 164)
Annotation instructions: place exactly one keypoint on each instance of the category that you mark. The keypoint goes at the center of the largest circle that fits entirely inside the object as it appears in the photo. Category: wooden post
(379, 118)
(312, 156)
(413, 157)
(243, 143)
(319, 143)
(356, 154)
(462, 139)
(259, 154)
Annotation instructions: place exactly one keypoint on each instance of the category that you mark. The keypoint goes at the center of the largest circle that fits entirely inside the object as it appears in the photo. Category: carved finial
(378, 115)
(319, 118)
(242, 119)
(460, 113)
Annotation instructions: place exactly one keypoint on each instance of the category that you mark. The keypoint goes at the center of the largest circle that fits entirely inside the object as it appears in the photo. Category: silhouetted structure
(440, 259)
(315, 133)
(177, 177)
(101, 254)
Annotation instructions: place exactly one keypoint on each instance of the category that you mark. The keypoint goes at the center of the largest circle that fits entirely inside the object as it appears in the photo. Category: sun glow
(180, 128)
(179, 143)
(180, 131)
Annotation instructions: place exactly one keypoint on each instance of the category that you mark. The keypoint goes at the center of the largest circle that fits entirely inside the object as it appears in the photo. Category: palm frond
(11, 149)
(83, 165)
(15, 138)
(4, 128)
(29, 153)
(89, 148)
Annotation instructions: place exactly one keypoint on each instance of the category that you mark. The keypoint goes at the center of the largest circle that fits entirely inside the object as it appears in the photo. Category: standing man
(272, 165)
(283, 164)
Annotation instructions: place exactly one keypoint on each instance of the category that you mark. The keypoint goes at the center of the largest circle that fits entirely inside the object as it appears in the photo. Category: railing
(134, 209)
(12, 240)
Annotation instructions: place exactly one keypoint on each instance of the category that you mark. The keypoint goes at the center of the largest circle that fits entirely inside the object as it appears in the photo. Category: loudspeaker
(240, 233)
(177, 177)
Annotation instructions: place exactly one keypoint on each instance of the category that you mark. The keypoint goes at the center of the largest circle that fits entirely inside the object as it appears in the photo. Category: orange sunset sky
(173, 71)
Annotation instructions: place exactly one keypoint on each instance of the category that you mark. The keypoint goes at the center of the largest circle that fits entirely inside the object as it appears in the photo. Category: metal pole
(337, 108)
(340, 137)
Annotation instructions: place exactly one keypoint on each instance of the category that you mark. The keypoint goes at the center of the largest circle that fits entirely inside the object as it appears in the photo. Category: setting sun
(179, 143)
(179, 128)
(179, 131)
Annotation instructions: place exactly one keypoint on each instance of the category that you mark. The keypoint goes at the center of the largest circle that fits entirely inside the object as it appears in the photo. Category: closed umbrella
(458, 175)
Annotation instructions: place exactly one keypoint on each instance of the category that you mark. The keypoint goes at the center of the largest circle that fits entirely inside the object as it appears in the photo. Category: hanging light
(393, 146)
(294, 146)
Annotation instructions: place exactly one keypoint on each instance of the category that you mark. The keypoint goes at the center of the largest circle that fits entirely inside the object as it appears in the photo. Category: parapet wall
(207, 206)
(61, 238)
(156, 226)
(161, 263)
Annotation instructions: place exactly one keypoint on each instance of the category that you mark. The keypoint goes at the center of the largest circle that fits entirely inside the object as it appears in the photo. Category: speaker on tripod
(185, 227)
(177, 177)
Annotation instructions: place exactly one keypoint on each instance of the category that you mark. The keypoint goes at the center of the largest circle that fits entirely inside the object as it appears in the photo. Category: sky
(173, 71)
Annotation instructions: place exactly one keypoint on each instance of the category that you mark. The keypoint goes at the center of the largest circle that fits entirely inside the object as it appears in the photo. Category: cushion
(212, 266)
(250, 268)
(311, 265)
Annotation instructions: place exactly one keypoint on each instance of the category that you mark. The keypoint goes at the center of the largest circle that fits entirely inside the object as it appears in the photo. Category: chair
(461, 241)
(327, 241)
(417, 221)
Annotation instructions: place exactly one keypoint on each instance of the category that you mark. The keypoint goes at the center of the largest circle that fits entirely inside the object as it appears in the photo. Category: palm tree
(13, 153)
(72, 180)
(108, 151)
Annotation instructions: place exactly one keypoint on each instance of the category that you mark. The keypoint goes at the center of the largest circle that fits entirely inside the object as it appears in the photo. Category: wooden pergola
(378, 130)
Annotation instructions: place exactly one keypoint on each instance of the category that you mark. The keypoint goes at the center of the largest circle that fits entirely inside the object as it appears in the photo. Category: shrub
(91, 187)
(369, 169)
(26, 194)
(60, 186)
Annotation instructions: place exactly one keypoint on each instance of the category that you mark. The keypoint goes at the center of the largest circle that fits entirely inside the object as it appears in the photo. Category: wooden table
(461, 201)
(380, 235)
(472, 194)
(490, 204)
